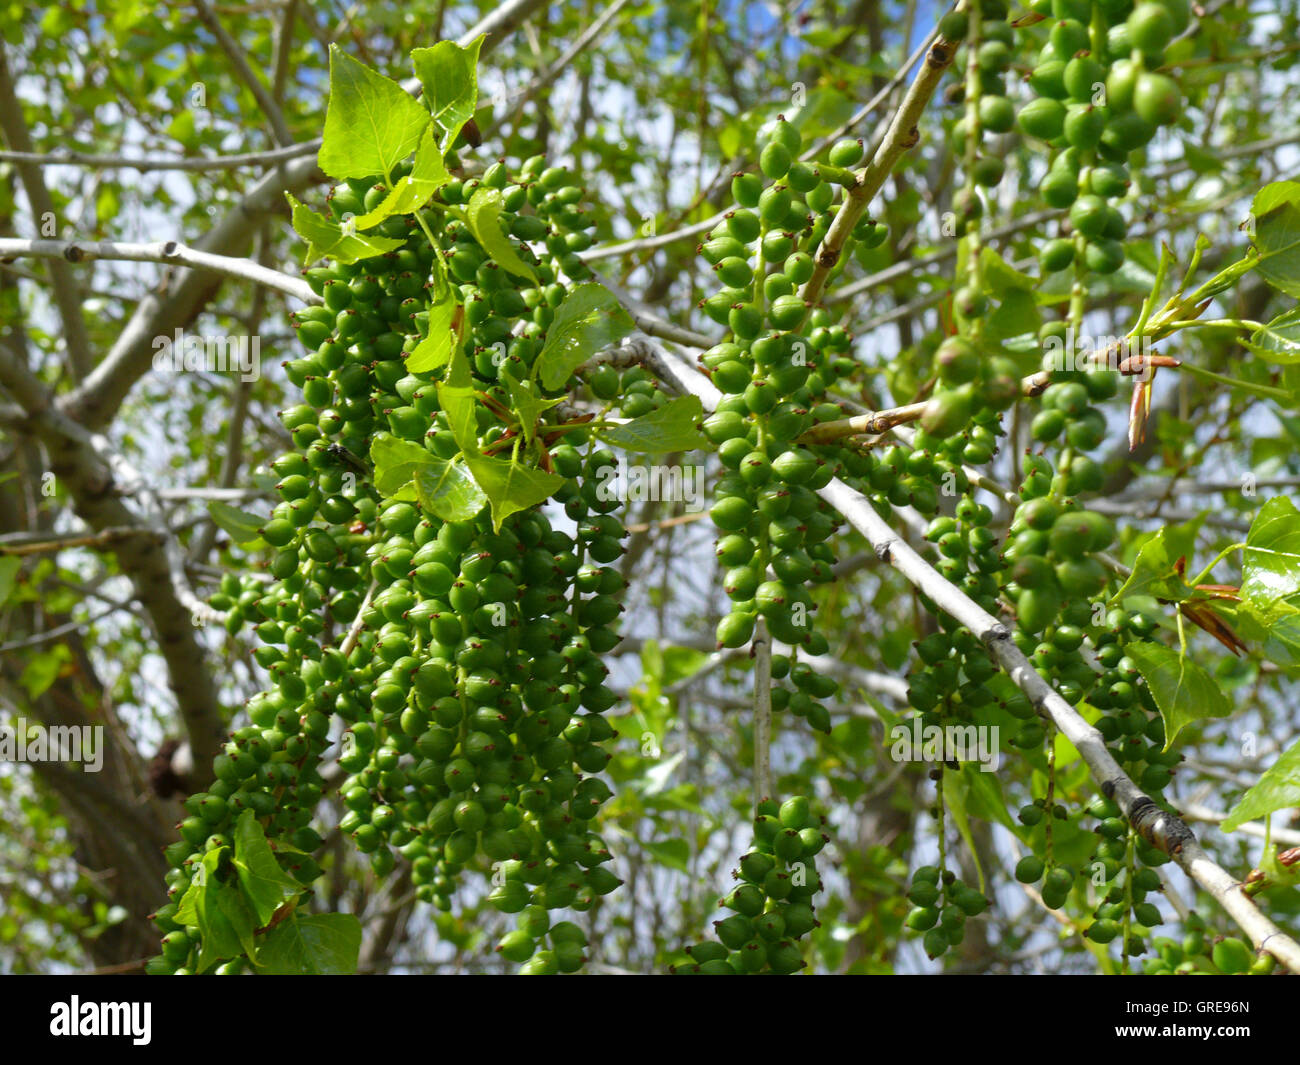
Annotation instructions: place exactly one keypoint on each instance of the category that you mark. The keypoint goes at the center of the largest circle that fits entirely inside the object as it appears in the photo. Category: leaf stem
(1263, 391)
(1217, 559)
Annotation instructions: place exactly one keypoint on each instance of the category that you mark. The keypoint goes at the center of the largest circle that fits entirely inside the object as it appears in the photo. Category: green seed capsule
(1043, 118)
(774, 160)
(1156, 99)
(846, 153)
(745, 189)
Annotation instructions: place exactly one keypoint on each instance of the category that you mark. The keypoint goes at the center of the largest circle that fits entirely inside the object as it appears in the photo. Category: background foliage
(655, 113)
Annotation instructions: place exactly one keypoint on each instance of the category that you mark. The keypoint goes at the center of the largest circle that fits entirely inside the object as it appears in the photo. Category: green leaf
(984, 797)
(1277, 789)
(483, 215)
(673, 427)
(1202, 162)
(320, 944)
(434, 351)
(223, 919)
(187, 914)
(511, 487)
(1273, 627)
(396, 461)
(1270, 568)
(449, 74)
(9, 567)
(1153, 572)
(673, 853)
(1279, 340)
(1269, 611)
(1183, 691)
(459, 374)
(428, 174)
(1134, 276)
(955, 806)
(588, 319)
(448, 490)
(730, 140)
(823, 110)
(239, 525)
(657, 777)
(680, 663)
(459, 406)
(265, 884)
(325, 238)
(371, 123)
(1275, 194)
(234, 909)
(528, 405)
(1015, 316)
(42, 669)
(1001, 277)
(1277, 238)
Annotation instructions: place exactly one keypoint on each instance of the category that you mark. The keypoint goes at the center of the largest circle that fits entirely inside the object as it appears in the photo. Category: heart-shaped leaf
(371, 123)
(1184, 692)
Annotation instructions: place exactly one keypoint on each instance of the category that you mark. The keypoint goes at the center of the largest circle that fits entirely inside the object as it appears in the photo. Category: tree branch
(96, 477)
(66, 295)
(588, 37)
(161, 251)
(270, 109)
(183, 294)
(762, 652)
(38, 542)
(901, 135)
(200, 164)
(1158, 828)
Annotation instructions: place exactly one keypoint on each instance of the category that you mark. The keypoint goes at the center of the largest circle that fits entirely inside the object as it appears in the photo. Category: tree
(652, 473)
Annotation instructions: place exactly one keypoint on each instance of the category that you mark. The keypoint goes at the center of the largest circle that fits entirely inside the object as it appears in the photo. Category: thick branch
(96, 478)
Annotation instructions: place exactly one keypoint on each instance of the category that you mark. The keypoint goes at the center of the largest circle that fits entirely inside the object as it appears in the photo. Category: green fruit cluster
(989, 59)
(772, 904)
(1099, 96)
(1057, 880)
(1048, 565)
(1197, 953)
(472, 695)
(774, 372)
(941, 903)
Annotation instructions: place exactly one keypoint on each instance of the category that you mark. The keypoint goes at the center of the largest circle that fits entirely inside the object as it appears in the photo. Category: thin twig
(762, 651)
(147, 163)
(39, 543)
(589, 36)
(270, 109)
(67, 295)
(901, 136)
(162, 251)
